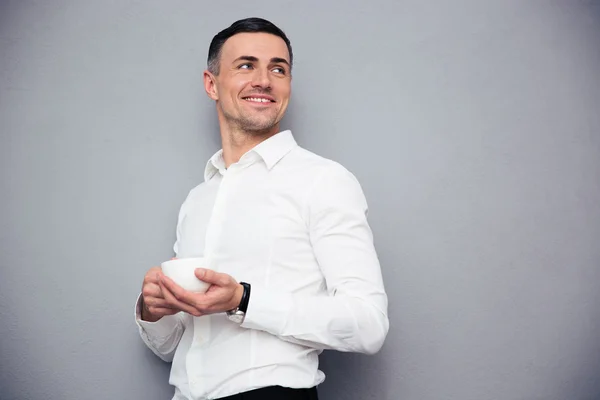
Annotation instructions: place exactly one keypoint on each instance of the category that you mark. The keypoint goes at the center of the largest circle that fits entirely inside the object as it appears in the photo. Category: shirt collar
(271, 150)
(216, 164)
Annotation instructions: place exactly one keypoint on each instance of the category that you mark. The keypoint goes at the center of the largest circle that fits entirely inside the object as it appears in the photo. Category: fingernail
(200, 272)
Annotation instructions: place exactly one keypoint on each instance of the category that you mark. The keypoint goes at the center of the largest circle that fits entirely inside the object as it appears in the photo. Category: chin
(260, 125)
(259, 129)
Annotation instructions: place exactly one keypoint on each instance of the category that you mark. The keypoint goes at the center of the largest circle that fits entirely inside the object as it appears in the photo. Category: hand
(154, 306)
(224, 294)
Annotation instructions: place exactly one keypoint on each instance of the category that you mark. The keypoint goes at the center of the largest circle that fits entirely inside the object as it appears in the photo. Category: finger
(162, 311)
(178, 292)
(158, 303)
(212, 277)
(172, 302)
(158, 313)
(173, 295)
(153, 275)
(151, 290)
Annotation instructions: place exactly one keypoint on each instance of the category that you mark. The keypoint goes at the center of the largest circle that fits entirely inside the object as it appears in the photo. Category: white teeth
(258, 100)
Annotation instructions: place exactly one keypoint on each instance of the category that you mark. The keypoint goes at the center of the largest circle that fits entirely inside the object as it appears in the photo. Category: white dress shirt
(294, 226)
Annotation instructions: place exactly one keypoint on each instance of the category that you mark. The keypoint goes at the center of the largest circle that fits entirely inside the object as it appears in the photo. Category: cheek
(285, 90)
(232, 88)
(239, 86)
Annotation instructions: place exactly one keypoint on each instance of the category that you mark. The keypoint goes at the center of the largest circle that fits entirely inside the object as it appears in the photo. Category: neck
(236, 142)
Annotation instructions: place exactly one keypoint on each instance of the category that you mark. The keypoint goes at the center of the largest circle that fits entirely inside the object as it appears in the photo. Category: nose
(261, 79)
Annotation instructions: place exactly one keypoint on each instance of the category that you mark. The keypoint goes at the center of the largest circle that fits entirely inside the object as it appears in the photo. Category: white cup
(181, 271)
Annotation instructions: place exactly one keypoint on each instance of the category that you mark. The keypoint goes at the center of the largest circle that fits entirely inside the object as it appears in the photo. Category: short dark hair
(248, 25)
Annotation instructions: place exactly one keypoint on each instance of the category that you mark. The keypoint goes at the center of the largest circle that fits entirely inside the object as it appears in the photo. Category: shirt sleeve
(162, 336)
(353, 316)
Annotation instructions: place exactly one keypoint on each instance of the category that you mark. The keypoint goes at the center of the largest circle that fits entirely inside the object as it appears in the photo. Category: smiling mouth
(258, 100)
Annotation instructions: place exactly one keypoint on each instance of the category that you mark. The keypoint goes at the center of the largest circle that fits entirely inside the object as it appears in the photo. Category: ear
(210, 85)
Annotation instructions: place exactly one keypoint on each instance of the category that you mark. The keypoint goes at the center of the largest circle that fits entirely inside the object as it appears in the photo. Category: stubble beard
(254, 125)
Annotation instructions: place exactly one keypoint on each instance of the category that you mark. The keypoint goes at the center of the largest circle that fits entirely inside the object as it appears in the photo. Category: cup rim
(177, 260)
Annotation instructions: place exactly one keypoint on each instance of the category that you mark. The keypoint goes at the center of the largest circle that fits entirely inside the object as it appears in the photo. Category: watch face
(237, 317)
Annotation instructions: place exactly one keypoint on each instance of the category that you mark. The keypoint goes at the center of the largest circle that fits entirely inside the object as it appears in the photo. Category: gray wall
(474, 127)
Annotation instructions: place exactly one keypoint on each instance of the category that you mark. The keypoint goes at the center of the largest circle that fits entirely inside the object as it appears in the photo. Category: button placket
(213, 227)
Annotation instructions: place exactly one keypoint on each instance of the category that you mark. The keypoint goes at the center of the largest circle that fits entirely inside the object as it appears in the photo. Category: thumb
(207, 275)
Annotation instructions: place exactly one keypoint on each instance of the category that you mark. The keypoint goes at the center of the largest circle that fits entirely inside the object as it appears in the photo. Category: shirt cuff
(159, 329)
(268, 311)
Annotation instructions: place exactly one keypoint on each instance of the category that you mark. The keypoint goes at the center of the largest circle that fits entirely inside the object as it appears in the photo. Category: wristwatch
(238, 314)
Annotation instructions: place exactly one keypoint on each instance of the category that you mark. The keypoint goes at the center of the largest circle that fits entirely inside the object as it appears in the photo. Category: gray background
(474, 127)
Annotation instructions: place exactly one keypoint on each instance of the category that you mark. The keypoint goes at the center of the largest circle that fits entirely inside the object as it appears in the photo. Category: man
(287, 232)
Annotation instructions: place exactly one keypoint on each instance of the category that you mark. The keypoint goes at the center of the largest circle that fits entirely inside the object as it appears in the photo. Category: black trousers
(275, 393)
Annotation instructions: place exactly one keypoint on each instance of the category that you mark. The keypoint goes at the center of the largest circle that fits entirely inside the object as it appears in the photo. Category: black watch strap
(245, 297)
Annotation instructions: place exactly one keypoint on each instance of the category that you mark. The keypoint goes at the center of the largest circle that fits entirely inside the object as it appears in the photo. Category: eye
(245, 66)
(279, 70)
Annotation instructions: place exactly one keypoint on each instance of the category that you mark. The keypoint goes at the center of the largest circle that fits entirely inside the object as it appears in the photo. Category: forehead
(260, 45)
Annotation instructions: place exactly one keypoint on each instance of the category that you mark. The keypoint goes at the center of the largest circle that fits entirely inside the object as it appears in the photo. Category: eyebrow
(254, 59)
(280, 61)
